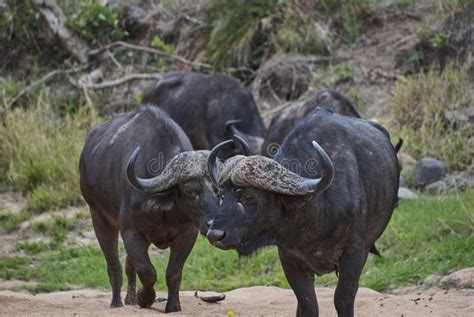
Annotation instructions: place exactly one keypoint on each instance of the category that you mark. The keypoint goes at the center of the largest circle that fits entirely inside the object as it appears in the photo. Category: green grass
(39, 152)
(432, 235)
(10, 221)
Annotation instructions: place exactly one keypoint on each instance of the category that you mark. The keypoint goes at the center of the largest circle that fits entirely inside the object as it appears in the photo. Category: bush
(40, 152)
(419, 106)
(255, 29)
(11, 221)
(23, 40)
(97, 23)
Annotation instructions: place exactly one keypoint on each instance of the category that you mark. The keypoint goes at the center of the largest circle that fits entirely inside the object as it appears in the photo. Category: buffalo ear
(292, 203)
(161, 203)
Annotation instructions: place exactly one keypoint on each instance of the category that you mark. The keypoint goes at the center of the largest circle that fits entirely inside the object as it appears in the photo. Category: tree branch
(148, 50)
(120, 81)
(38, 82)
(55, 18)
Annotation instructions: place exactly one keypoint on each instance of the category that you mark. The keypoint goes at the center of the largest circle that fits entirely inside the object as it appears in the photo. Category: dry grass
(39, 152)
(419, 106)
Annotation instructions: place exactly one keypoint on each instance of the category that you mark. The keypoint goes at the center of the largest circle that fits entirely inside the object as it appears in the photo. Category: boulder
(432, 280)
(406, 194)
(428, 170)
(284, 77)
(407, 164)
(460, 279)
(402, 183)
(436, 188)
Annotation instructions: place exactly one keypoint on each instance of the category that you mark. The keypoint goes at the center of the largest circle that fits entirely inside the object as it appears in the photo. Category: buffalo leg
(131, 298)
(107, 235)
(178, 255)
(351, 265)
(302, 284)
(137, 249)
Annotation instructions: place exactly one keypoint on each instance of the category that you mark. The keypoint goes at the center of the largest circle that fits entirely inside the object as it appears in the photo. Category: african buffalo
(323, 208)
(165, 208)
(289, 116)
(209, 107)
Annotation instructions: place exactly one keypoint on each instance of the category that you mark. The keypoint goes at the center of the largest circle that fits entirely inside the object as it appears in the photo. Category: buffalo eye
(192, 188)
(246, 198)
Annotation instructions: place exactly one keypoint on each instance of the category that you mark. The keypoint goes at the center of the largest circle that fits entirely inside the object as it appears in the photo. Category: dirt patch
(12, 202)
(254, 301)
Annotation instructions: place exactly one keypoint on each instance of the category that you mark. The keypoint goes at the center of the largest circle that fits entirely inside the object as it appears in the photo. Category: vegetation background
(404, 63)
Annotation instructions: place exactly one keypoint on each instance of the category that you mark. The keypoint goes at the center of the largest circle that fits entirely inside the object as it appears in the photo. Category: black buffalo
(324, 209)
(165, 208)
(210, 108)
(289, 116)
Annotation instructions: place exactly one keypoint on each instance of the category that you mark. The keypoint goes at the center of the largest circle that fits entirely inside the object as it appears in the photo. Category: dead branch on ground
(56, 21)
(148, 50)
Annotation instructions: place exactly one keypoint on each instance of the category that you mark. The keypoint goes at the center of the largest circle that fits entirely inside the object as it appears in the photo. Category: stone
(436, 188)
(455, 116)
(284, 77)
(406, 194)
(460, 279)
(407, 164)
(428, 170)
(432, 280)
(402, 182)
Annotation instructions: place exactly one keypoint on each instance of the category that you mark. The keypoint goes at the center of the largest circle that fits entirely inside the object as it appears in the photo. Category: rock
(401, 182)
(460, 181)
(407, 164)
(432, 280)
(460, 279)
(436, 188)
(455, 116)
(427, 171)
(406, 194)
(470, 142)
(284, 77)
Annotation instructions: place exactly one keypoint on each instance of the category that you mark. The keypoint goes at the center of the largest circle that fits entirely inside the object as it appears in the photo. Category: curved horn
(268, 174)
(131, 177)
(183, 165)
(230, 123)
(211, 161)
(328, 169)
(243, 145)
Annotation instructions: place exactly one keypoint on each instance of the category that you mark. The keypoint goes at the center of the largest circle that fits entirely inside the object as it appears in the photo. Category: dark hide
(318, 233)
(289, 116)
(166, 219)
(203, 105)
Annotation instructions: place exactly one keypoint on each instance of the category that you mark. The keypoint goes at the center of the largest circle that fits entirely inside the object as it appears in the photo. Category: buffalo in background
(323, 208)
(210, 108)
(165, 208)
(287, 118)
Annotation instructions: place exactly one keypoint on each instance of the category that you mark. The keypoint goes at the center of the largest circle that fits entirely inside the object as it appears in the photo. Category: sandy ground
(254, 301)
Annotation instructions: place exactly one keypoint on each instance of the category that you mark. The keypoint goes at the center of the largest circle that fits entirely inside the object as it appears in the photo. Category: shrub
(23, 40)
(97, 23)
(419, 106)
(255, 29)
(40, 153)
(10, 221)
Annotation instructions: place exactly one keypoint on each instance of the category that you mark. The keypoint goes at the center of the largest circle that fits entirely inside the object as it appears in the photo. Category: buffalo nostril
(215, 235)
(209, 223)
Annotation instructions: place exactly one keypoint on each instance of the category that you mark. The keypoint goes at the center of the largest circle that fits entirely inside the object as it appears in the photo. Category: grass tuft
(419, 106)
(39, 152)
(432, 235)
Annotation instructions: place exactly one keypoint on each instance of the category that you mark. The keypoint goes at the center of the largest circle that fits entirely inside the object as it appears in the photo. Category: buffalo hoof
(116, 304)
(172, 307)
(131, 298)
(145, 298)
